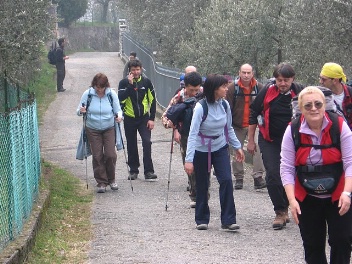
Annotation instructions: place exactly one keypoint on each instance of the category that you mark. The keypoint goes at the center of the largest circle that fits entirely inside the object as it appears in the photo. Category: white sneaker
(192, 204)
(113, 186)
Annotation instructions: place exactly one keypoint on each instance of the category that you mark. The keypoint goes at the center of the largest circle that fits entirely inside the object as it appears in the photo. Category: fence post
(5, 93)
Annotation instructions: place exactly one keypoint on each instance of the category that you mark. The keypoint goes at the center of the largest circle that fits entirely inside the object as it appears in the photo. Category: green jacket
(137, 99)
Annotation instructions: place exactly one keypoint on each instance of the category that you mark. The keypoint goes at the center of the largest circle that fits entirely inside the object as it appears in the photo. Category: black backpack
(186, 117)
(334, 133)
(237, 91)
(52, 54)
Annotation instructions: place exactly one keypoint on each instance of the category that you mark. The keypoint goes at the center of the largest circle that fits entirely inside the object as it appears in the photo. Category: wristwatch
(347, 193)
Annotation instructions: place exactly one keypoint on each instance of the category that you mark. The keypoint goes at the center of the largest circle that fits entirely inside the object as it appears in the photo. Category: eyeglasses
(309, 106)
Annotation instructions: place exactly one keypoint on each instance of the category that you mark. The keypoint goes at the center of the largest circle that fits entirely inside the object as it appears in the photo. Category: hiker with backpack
(240, 95)
(333, 77)
(178, 115)
(60, 64)
(316, 172)
(271, 111)
(210, 135)
(101, 107)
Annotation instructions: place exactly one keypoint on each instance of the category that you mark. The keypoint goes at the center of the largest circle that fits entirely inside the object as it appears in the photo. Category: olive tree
(24, 29)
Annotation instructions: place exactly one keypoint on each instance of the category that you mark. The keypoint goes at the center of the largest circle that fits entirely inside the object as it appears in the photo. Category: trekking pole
(168, 177)
(124, 152)
(84, 138)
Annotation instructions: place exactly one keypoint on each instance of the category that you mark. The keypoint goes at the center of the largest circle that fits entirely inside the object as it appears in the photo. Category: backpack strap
(204, 104)
(237, 91)
(111, 101)
(334, 133)
(89, 99)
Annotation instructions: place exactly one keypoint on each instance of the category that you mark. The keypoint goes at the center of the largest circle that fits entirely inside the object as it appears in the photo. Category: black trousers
(60, 76)
(132, 125)
(271, 159)
(317, 214)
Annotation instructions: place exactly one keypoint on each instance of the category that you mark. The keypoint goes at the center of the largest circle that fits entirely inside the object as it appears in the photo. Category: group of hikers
(305, 157)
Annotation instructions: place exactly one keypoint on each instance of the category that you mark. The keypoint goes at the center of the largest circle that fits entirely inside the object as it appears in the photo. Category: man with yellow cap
(333, 77)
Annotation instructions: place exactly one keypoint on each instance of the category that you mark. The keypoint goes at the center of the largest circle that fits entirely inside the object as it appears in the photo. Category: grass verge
(44, 87)
(66, 230)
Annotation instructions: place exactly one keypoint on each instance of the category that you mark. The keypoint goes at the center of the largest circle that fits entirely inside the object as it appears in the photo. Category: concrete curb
(17, 251)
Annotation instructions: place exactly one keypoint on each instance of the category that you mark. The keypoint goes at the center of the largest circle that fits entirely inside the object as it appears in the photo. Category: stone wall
(91, 38)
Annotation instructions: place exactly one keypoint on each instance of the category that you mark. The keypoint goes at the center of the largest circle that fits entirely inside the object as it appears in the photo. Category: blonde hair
(310, 90)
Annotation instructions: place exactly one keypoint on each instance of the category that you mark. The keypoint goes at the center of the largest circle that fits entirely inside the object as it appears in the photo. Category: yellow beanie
(333, 70)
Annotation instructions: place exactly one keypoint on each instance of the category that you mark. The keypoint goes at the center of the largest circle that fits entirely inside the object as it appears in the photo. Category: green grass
(44, 87)
(66, 230)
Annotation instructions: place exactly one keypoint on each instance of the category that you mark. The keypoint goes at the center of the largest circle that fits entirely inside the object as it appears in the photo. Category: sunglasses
(309, 106)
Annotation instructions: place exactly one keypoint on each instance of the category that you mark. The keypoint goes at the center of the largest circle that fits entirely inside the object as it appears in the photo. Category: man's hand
(130, 78)
(150, 124)
(251, 147)
(177, 136)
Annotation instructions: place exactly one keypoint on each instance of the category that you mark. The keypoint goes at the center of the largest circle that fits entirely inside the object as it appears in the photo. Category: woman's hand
(295, 210)
(239, 155)
(82, 110)
(118, 119)
(189, 168)
(344, 204)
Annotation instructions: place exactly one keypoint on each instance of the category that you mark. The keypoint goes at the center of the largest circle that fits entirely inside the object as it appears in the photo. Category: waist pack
(321, 179)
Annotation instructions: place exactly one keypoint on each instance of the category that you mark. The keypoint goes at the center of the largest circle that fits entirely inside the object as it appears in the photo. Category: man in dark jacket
(240, 95)
(271, 111)
(137, 96)
(60, 65)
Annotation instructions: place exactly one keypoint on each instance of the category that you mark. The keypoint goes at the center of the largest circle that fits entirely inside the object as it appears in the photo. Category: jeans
(221, 162)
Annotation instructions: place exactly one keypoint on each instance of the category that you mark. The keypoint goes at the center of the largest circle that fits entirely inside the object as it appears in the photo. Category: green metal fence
(19, 159)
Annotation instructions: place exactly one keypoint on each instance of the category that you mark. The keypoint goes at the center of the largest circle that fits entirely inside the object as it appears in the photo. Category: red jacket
(270, 95)
(329, 156)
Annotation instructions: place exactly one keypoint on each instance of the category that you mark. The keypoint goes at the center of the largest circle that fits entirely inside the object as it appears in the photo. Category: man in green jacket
(137, 96)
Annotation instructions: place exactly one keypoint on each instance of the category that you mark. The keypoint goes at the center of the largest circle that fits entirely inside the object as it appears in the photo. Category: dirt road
(134, 227)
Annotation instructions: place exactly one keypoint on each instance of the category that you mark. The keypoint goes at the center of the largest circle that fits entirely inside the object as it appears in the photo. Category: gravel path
(134, 227)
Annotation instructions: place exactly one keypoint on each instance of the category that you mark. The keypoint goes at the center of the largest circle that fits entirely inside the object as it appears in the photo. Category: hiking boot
(113, 186)
(239, 184)
(287, 217)
(101, 189)
(150, 176)
(259, 183)
(132, 176)
(192, 204)
(202, 227)
(231, 227)
(280, 220)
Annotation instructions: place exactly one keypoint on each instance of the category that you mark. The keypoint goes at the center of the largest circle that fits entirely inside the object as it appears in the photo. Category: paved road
(135, 227)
